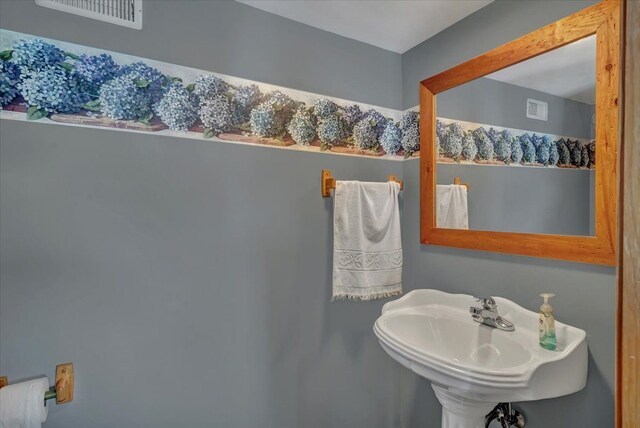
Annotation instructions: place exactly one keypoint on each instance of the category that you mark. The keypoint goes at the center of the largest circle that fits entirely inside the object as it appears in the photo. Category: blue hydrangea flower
(332, 130)
(216, 113)
(53, 89)
(584, 156)
(592, 154)
(96, 69)
(123, 98)
(284, 105)
(377, 120)
(410, 127)
(553, 153)
(265, 120)
(412, 118)
(279, 100)
(493, 135)
(441, 129)
(575, 148)
(207, 86)
(246, 98)
(452, 142)
(502, 146)
(484, 144)
(157, 83)
(516, 151)
(564, 154)
(478, 133)
(543, 150)
(411, 140)
(268, 119)
(351, 115)
(36, 55)
(178, 108)
(391, 140)
(365, 135)
(528, 149)
(302, 127)
(324, 107)
(9, 79)
(469, 148)
(240, 116)
(535, 140)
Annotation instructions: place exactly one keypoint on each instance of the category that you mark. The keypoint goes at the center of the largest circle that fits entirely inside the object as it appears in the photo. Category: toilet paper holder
(62, 391)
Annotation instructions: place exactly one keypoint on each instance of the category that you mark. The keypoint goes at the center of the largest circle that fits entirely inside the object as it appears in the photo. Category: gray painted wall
(585, 294)
(497, 103)
(187, 280)
(529, 200)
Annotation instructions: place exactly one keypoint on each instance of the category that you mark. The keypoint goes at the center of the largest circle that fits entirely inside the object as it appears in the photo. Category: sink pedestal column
(460, 412)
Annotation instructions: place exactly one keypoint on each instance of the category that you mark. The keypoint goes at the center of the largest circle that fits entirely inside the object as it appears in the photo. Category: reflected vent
(537, 109)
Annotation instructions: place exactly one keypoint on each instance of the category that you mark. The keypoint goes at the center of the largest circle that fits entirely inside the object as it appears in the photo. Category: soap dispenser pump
(547, 325)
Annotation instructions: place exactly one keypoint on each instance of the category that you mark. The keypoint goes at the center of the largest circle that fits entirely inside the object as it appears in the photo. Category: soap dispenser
(547, 325)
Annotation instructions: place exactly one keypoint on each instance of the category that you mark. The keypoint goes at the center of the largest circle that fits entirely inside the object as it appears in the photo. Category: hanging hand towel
(451, 206)
(367, 246)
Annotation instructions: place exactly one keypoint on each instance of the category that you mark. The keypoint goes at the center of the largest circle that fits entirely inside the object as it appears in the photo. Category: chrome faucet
(488, 315)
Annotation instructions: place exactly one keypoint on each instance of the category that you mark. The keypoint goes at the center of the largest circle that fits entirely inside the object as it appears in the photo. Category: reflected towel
(451, 206)
(367, 246)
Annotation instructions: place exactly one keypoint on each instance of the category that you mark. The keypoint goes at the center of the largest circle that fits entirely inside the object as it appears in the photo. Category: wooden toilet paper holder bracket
(62, 391)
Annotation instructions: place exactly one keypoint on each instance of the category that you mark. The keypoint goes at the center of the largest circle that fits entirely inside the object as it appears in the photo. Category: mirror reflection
(521, 144)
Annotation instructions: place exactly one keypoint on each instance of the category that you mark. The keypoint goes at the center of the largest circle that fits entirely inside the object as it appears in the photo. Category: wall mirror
(530, 129)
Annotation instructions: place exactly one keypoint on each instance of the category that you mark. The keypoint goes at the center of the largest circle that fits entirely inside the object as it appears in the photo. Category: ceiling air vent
(121, 12)
(537, 109)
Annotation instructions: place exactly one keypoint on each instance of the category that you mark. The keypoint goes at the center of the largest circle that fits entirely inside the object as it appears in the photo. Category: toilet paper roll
(22, 404)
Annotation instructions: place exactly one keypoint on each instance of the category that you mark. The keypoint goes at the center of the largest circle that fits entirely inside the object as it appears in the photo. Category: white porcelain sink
(471, 366)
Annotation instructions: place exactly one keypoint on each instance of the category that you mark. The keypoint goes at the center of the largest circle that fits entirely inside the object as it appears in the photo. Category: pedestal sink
(471, 366)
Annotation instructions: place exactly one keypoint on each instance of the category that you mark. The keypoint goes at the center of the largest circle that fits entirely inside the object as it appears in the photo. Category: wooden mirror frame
(603, 20)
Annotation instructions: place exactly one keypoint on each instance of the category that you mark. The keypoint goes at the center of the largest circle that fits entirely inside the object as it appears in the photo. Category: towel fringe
(373, 296)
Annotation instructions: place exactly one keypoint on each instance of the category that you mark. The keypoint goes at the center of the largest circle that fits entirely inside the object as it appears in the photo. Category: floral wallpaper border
(468, 142)
(65, 83)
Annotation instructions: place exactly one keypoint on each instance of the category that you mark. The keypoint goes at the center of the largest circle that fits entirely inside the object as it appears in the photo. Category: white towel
(367, 246)
(451, 206)
(22, 404)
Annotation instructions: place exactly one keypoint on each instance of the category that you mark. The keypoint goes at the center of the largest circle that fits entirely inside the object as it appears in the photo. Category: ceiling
(399, 25)
(395, 25)
(568, 72)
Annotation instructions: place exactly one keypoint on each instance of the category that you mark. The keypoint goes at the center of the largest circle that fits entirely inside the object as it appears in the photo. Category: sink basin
(471, 366)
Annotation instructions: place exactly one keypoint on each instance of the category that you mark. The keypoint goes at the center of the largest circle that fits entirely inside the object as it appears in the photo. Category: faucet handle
(475, 311)
(487, 303)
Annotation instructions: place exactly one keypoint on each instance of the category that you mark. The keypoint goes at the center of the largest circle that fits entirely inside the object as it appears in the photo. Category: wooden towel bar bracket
(458, 181)
(328, 182)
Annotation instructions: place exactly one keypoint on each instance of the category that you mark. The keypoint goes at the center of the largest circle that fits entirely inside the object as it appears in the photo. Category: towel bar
(63, 388)
(328, 182)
